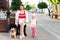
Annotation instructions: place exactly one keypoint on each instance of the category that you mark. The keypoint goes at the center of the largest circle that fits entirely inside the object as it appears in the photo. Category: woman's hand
(27, 21)
(16, 22)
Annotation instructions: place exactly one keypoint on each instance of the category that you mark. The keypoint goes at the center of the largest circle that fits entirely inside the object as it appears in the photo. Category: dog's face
(12, 30)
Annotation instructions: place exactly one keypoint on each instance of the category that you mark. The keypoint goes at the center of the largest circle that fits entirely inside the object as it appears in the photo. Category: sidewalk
(42, 34)
(51, 25)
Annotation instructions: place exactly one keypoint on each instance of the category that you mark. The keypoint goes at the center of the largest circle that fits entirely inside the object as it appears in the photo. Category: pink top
(22, 15)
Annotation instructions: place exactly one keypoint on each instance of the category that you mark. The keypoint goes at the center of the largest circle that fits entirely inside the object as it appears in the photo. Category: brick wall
(2, 25)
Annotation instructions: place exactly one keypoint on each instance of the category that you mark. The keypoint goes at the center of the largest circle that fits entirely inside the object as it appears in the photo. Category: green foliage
(54, 1)
(15, 4)
(32, 6)
(42, 5)
(59, 1)
(28, 7)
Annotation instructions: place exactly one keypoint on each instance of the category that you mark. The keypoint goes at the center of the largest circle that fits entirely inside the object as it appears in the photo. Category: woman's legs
(18, 30)
(25, 30)
(22, 31)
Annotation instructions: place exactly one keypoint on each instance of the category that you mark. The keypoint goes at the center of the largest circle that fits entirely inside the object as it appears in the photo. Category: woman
(21, 19)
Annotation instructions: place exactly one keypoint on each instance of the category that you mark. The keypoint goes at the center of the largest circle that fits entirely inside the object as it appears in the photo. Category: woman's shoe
(21, 37)
(25, 34)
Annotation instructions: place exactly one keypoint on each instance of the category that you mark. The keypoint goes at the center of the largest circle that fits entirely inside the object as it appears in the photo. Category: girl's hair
(22, 5)
(34, 14)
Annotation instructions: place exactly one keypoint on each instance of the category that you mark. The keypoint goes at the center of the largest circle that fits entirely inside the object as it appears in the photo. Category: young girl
(33, 25)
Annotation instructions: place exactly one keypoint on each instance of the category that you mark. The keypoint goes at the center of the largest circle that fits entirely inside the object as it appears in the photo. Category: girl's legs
(34, 32)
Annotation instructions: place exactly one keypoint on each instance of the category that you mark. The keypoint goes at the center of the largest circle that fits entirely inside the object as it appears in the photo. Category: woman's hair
(21, 5)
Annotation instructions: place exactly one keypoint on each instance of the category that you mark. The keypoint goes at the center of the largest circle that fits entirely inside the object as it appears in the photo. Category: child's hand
(27, 22)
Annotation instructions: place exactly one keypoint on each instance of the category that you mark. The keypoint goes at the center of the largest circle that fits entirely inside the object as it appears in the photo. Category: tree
(42, 5)
(55, 2)
(3, 5)
(28, 7)
(32, 6)
(59, 1)
(15, 4)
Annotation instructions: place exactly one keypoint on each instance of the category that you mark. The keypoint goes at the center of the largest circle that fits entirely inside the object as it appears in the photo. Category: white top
(17, 19)
(33, 22)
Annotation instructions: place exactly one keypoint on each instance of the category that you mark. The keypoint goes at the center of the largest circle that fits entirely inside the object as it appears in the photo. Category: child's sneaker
(34, 36)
